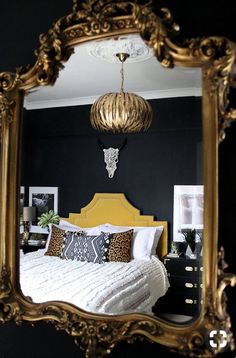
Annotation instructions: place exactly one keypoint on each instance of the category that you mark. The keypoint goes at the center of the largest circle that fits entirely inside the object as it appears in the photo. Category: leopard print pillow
(119, 246)
(57, 241)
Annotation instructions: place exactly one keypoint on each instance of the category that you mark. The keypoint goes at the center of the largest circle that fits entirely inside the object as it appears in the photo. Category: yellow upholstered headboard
(115, 209)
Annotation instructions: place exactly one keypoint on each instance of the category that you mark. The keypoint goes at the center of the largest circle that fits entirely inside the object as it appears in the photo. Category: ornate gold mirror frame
(97, 19)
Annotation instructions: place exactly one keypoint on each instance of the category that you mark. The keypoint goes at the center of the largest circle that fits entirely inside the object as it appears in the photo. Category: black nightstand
(184, 294)
(32, 245)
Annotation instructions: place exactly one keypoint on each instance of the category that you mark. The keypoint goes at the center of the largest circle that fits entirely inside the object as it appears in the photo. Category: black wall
(21, 22)
(61, 149)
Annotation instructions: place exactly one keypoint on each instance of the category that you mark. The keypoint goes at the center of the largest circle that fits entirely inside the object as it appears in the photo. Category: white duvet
(111, 288)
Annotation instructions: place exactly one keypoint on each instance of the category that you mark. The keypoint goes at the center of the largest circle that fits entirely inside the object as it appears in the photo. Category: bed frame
(115, 209)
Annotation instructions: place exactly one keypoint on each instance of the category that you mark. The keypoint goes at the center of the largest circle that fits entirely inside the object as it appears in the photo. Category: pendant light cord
(122, 57)
(122, 76)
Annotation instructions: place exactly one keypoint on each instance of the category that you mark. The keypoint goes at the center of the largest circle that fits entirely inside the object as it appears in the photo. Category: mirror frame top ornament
(94, 20)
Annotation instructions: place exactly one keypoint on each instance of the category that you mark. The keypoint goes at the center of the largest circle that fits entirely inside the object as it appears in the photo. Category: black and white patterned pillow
(85, 248)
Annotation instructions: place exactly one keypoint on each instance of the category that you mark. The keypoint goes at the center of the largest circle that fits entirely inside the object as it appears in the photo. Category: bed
(91, 269)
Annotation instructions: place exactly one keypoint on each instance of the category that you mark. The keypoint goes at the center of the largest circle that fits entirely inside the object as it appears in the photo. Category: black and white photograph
(22, 204)
(22, 199)
(44, 199)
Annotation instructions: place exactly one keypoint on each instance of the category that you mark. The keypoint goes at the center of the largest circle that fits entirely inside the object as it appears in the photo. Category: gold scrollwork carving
(51, 55)
(6, 109)
(8, 82)
(5, 282)
(96, 336)
(228, 117)
(216, 317)
(156, 30)
(216, 55)
(93, 19)
(222, 52)
(10, 309)
(194, 345)
(98, 17)
(99, 337)
(224, 279)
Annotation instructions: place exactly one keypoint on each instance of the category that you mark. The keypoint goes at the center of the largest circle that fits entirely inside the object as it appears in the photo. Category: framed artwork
(22, 199)
(22, 204)
(44, 199)
(188, 209)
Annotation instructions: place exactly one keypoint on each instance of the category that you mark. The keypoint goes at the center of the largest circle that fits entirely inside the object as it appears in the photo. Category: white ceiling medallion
(133, 45)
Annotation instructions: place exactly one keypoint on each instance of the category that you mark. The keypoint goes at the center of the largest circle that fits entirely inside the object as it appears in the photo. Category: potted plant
(47, 218)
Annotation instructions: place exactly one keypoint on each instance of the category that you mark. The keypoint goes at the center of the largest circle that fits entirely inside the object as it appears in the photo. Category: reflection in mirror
(128, 272)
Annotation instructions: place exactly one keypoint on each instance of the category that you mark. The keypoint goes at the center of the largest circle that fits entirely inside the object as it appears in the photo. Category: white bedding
(111, 288)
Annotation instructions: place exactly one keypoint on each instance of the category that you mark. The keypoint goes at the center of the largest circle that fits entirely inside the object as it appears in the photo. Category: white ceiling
(86, 77)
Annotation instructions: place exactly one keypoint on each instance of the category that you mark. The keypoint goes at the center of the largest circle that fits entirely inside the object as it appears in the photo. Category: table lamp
(29, 214)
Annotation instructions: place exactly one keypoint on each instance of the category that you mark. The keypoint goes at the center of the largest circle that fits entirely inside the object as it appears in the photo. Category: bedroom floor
(176, 318)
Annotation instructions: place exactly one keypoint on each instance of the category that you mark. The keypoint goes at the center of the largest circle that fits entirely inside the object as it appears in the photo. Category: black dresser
(32, 245)
(184, 294)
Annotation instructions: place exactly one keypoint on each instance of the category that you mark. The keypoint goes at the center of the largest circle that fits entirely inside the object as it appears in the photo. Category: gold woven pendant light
(121, 112)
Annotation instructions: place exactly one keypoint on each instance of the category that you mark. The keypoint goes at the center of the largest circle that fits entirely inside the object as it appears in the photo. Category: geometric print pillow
(57, 241)
(84, 248)
(119, 246)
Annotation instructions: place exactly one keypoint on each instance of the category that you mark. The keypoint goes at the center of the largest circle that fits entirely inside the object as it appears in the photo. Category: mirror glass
(159, 171)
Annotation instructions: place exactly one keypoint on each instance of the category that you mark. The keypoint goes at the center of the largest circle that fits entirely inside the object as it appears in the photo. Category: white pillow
(113, 228)
(158, 233)
(89, 230)
(145, 239)
(65, 225)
